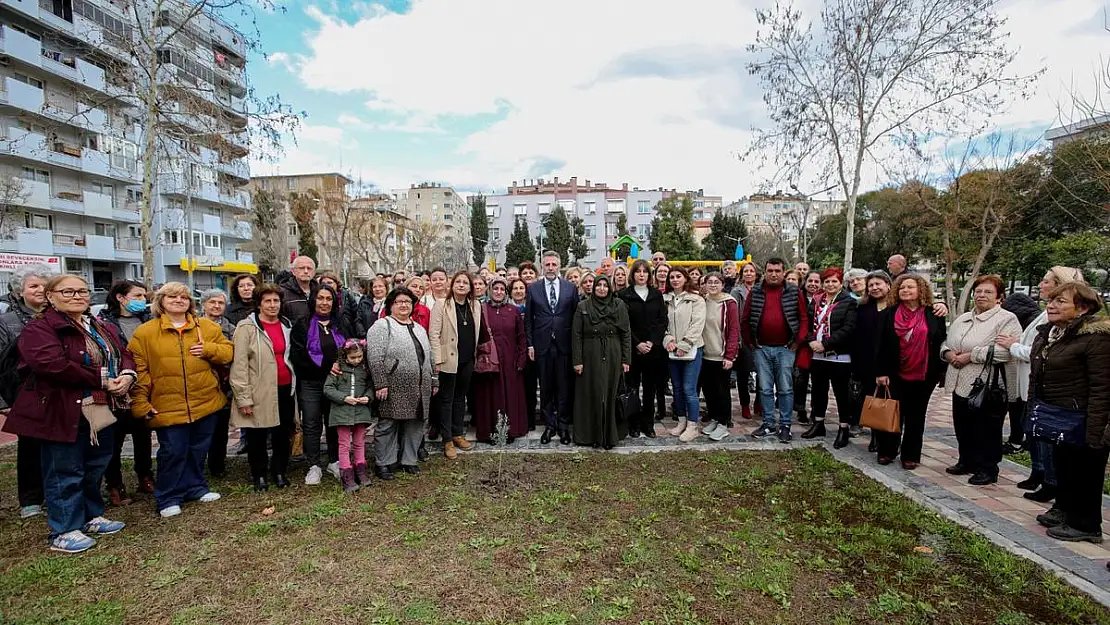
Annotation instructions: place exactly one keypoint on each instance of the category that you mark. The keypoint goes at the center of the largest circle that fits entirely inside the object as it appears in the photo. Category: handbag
(628, 403)
(487, 360)
(881, 413)
(99, 416)
(988, 395)
(1056, 424)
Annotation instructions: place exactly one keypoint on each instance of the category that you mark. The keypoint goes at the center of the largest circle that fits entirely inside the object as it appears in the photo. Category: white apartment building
(71, 136)
(782, 214)
(439, 204)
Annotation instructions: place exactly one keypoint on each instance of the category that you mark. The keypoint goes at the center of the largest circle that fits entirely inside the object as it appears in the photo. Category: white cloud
(647, 92)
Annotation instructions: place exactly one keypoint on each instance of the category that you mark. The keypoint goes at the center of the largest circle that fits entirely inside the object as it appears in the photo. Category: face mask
(135, 306)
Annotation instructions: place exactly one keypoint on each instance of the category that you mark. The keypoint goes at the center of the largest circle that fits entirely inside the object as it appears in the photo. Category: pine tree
(725, 233)
(578, 245)
(672, 231)
(558, 234)
(622, 230)
(520, 247)
(479, 229)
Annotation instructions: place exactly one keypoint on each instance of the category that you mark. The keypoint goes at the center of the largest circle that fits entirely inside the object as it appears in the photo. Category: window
(494, 234)
(171, 237)
(614, 206)
(520, 209)
(645, 230)
(591, 232)
(135, 231)
(292, 230)
(103, 189)
(212, 240)
(37, 175)
(493, 210)
(198, 240)
(39, 222)
(30, 126)
(545, 207)
(134, 195)
(610, 229)
(567, 206)
(290, 184)
(447, 217)
(591, 207)
(28, 80)
(135, 272)
(125, 154)
(643, 207)
(104, 230)
(30, 33)
(209, 210)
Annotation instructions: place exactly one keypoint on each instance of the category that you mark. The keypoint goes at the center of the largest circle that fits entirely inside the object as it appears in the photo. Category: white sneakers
(312, 478)
(209, 497)
(680, 428)
(170, 511)
(708, 426)
(690, 433)
(718, 433)
(333, 468)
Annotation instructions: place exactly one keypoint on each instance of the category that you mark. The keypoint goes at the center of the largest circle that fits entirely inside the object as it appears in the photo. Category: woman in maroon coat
(502, 391)
(77, 372)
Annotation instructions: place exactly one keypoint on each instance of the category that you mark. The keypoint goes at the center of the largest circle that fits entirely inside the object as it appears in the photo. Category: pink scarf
(913, 343)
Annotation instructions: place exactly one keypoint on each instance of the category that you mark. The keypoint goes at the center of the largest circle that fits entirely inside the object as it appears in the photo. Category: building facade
(782, 214)
(380, 236)
(433, 203)
(599, 205)
(71, 140)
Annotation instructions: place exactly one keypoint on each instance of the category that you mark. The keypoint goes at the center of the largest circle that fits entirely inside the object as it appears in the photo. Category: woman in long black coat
(601, 348)
(647, 318)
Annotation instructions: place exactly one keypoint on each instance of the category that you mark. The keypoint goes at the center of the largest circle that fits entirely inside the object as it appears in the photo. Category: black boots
(815, 430)
(1036, 478)
(802, 418)
(842, 438)
(1046, 494)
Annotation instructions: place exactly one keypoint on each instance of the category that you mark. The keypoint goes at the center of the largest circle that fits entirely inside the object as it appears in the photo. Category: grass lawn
(670, 538)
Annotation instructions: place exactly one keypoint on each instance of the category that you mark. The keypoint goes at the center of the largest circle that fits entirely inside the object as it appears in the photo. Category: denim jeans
(181, 453)
(684, 380)
(1042, 455)
(774, 367)
(71, 478)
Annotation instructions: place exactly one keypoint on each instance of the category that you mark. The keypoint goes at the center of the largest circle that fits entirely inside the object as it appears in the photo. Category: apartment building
(1081, 129)
(331, 194)
(380, 240)
(431, 202)
(782, 214)
(71, 136)
(599, 205)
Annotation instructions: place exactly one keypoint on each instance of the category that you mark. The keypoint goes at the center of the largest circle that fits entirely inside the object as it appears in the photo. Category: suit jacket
(544, 328)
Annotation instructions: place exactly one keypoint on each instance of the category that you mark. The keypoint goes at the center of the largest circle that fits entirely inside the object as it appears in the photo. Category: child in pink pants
(350, 413)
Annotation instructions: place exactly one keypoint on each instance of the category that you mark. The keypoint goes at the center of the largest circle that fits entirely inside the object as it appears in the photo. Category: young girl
(350, 412)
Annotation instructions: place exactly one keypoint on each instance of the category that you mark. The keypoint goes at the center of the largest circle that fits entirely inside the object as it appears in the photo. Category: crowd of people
(409, 357)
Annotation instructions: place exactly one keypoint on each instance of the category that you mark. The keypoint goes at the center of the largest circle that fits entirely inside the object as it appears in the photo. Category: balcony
(23, 96)
(92, 119)
(129, 248)
(29, 241)
(33, 146)
(69, 245)
(236, 229)
(237, 168)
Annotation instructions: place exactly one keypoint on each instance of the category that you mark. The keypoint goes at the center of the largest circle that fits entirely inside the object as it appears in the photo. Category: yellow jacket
(180, 387)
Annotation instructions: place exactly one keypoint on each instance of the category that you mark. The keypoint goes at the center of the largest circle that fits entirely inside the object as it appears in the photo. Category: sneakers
(72, 542)
(677, 430)
(690, 433)
(1035, 479)
(103, 527)
(784, 434)
(209, 497)
(1053, 518)
(170, 511)
(462, 444)
(314, 475)
(1046, 494)
(708, 426)
(763, 431)
(719, 434)
(333, 468)
(27, 512)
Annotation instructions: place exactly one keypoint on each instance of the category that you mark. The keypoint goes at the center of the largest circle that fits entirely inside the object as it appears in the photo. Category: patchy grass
(672, 538)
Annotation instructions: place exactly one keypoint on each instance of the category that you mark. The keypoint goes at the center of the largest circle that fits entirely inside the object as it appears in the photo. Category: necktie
(551, 295)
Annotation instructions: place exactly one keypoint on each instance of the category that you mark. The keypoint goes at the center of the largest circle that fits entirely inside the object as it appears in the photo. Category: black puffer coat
(1074, 372)
(842, 324)
(1025, 308)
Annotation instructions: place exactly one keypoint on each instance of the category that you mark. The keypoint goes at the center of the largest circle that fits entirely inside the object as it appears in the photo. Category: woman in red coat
(77, 374)
(420, 312)
(503, 391)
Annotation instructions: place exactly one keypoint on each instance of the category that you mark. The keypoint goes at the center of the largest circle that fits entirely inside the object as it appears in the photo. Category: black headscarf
(603, 309)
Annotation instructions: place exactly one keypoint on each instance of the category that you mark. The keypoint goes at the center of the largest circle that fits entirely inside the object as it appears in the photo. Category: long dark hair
(120, 287)
(334, 316)
(233, 292)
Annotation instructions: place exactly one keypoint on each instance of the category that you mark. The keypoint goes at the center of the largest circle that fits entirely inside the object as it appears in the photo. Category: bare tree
(267, 209)
(13, 201)
(425, 240)
(876, 75)
(378, 241)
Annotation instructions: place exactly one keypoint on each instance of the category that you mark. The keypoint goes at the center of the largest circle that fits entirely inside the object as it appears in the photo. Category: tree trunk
(949, 279)
(985, 248)
(149, 155)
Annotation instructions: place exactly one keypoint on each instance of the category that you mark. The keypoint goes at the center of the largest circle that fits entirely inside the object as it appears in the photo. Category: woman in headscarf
(601, 350)
(502, 391)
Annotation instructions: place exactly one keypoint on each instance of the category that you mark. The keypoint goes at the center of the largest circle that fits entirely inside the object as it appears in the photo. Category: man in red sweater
(774, 323)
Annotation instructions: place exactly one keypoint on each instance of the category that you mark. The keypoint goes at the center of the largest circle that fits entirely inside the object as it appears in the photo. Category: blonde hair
(576, 270)
(55, 280)
(172, 288)
(1063, 275)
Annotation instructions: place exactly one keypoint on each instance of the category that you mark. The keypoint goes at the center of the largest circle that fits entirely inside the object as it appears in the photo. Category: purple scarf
(314, 351)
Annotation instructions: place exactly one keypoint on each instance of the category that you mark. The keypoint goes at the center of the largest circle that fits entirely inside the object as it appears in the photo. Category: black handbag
(989, 395)
(1056, 424)
(628, 403)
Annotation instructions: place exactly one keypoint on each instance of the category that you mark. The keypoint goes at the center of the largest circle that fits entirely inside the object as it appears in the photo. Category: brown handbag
(487, 361)
(881, 413)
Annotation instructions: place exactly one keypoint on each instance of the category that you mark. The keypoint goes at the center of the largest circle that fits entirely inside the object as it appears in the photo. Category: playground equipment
(635, 249)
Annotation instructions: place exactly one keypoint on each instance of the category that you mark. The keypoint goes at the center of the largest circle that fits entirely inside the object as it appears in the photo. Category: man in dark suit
(548, 315)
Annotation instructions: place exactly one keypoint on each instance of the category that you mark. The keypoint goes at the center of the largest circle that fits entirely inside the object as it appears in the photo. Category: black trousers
(28, 471)
(453, 388)
(280, 437)
(839, 376)
(646, 374)
(979, 436)
(801, 389)
(743, 369)
(913, 402)
(556, 389)
(217, 453)
(1080, 472)
(140, 443)
(531, 388)
(1017, 423)
(715, 383)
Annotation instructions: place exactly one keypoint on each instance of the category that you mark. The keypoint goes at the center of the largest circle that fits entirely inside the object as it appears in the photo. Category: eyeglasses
(72, 293)
(402, 301)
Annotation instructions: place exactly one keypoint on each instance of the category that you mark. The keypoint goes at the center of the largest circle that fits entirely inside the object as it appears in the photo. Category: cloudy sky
(478, 93)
